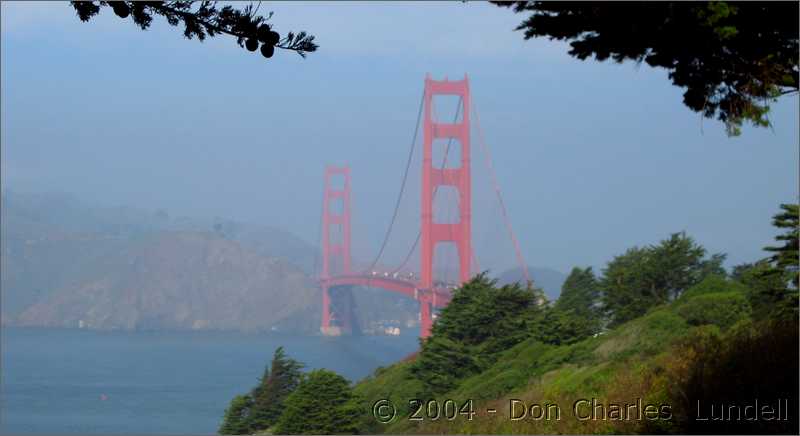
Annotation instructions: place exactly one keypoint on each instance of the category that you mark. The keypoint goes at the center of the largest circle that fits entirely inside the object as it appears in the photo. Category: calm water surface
(77, 381)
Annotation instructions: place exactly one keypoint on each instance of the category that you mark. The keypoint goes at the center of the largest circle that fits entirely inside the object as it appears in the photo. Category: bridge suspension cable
(488, 160)
(402, 185)
(498, 194)
(435, 190)
(314, 269)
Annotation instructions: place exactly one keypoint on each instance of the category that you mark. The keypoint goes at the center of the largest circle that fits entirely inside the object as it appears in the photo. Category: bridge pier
(338, 317)
(325, 325)
(425, 318)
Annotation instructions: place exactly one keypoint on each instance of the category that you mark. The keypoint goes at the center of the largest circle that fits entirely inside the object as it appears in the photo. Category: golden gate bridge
(337, 267)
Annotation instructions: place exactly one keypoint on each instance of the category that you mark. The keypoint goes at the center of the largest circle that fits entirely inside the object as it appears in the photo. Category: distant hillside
(64, 261)
(179, 280)
(548, 279)
(38, 264)
(41, 215)
(37, 215)
(67, 263)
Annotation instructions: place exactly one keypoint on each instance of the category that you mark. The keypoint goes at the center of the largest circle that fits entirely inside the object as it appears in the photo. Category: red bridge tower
(459, 177)
(335, 251)
(337, 276)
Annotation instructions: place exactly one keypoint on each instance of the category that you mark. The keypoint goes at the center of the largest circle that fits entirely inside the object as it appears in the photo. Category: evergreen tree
(563, 327)
(773, 282)
(279, 380)
(641, 278)
(480, 321)
(678, 263)
(622, 280)
(236, 416)
(435, 363)
(766, 290)
(481, 311)
(580, 295)
(323, 403)
(786, 257)
(579, 291)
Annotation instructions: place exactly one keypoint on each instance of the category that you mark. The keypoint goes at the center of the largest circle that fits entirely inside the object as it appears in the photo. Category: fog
(592, 158)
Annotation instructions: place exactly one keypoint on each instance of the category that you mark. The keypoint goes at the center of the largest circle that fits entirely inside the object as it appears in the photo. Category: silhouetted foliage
(733, 59)
(205, 19)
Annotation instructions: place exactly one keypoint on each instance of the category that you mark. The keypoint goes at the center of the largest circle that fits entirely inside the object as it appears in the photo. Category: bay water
(80, 381)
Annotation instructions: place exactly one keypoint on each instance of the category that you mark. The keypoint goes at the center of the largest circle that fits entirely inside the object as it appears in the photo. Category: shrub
(722, 309)
(752, 361)
(714, 284)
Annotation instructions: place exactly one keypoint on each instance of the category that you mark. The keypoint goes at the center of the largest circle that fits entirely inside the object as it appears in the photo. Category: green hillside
(663, 340)
(649, 358)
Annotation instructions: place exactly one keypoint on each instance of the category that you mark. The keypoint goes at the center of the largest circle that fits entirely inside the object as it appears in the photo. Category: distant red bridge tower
(335, 247)
(337, 313)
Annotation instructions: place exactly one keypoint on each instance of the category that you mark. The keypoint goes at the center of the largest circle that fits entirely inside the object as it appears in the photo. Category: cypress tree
(323, 403)
(580, 293)
(642, 278)
(236, 416)
(786, 257)
(279, 380)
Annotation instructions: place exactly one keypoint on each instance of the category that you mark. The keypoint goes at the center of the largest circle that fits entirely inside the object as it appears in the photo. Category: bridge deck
(438, 296)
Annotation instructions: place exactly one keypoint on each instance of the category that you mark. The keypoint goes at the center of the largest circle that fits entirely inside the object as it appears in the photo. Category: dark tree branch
(205, 19)
(733, 59)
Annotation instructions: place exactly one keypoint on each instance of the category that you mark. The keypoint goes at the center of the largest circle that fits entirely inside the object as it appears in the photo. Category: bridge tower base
(425, 317)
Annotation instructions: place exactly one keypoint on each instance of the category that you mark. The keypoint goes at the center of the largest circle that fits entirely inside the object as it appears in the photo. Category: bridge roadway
(439, 296)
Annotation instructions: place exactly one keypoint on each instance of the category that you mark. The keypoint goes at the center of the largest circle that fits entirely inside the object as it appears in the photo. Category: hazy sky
(592, 157)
